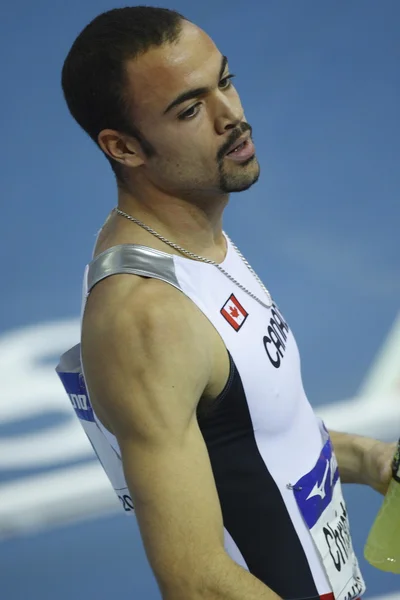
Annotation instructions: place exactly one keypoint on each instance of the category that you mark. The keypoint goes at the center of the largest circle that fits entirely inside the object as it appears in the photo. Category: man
(197, 410)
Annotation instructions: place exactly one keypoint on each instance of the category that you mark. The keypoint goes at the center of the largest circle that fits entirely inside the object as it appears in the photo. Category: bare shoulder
(143, 347)
(153, 308)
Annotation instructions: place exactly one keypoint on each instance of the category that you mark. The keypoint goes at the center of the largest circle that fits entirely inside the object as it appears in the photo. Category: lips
(243, 153)
(239, 142)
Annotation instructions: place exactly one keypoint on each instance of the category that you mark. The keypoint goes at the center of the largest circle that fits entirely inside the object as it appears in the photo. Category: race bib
(319, 497)
(74, 384)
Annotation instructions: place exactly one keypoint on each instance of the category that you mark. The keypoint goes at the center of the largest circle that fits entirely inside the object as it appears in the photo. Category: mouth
(242, 150)
(239, 144)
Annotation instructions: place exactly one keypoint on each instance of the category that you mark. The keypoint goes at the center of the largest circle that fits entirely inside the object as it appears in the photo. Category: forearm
(223, 579)
(350, 451)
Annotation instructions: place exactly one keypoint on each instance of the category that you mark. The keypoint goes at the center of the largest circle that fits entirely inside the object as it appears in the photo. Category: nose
(229, 114)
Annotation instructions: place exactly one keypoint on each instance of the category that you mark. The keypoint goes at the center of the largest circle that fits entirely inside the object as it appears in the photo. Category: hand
(377, 465)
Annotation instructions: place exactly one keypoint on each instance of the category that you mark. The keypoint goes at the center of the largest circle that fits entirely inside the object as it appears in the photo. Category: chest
(257, 368)
(258, 339)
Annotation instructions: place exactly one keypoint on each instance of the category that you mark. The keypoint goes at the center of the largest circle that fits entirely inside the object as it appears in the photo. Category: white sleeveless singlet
(277, 478)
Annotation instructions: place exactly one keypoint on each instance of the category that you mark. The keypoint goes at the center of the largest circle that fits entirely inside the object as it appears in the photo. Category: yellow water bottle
(382, 549)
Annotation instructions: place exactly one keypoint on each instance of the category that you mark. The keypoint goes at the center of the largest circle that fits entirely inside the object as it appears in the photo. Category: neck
(196, 225)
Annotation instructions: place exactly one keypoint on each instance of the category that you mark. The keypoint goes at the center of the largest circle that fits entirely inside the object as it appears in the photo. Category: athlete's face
(186, 107)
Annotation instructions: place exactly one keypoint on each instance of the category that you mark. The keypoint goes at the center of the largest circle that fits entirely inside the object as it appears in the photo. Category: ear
(122, 148)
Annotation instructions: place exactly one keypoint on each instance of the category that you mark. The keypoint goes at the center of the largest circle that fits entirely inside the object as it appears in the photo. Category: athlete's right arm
(147, 362)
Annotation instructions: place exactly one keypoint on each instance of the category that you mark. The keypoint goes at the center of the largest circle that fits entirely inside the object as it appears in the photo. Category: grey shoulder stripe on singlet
(134, 260)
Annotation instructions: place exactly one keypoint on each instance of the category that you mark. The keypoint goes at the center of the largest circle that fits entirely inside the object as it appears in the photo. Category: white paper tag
(319, 497)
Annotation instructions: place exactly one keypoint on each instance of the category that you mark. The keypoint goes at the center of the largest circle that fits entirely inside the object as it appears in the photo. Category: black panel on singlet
(254, 512)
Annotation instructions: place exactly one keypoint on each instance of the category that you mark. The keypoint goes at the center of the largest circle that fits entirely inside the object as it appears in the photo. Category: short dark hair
(94, 76)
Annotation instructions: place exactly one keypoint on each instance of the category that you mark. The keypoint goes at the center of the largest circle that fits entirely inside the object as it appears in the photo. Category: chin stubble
(238, 182)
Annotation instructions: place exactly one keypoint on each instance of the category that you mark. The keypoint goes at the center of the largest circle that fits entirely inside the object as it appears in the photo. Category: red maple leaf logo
(234, 312)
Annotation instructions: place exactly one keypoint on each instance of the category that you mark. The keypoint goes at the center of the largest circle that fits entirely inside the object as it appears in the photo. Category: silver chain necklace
(207, 260)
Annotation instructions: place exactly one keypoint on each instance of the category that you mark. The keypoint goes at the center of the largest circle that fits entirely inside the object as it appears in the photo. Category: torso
(266, 446)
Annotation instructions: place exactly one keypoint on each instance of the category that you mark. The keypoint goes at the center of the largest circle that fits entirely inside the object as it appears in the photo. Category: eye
(225, 83)
(191, 112)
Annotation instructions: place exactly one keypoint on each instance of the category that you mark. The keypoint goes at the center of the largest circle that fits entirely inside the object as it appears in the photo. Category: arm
(350, 451)
(363, 460)
(147, 362)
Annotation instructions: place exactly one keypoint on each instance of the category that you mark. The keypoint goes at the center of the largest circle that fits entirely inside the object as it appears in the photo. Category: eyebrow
(195, 93)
